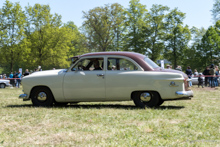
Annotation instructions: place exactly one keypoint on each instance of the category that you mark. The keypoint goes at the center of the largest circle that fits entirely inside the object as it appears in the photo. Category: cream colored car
(107, 76)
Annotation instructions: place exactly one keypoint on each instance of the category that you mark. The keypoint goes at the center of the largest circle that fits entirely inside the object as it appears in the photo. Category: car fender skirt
(183, 94)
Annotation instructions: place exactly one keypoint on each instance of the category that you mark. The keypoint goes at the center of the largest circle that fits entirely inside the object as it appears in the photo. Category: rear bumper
(184, 94)
(24, 97)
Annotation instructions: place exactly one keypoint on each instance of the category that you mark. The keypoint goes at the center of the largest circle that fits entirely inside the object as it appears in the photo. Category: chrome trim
(24, 97)
(145, 97)
(42, 96)
(184, 93)
(173, 84)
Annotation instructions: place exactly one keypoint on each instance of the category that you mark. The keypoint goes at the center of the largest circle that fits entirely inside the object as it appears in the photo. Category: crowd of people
(15, 78)
(211, 74)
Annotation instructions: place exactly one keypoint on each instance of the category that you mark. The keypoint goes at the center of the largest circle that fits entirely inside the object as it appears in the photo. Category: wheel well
(39, 87)
(134, 92)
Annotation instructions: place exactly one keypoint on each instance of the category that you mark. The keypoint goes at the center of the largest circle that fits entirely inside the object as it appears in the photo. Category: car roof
(139, 58)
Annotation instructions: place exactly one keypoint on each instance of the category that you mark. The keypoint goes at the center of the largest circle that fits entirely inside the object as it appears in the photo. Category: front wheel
(146, 99)
(2, 85)
(42, 96)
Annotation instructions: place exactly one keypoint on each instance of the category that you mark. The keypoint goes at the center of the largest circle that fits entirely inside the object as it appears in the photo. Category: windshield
(150, 62)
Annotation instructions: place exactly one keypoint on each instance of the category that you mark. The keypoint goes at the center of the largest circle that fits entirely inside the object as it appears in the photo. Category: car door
(84, 81)
(121, 78)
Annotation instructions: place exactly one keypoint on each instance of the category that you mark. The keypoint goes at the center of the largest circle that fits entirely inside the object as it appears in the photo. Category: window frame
(126, 58)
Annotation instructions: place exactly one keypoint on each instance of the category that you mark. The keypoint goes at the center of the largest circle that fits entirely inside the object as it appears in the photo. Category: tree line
(33, 36)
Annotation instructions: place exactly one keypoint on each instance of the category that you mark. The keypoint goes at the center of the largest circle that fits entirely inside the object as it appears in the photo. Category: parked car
(4, 83)
(107, 76)
(195, 79)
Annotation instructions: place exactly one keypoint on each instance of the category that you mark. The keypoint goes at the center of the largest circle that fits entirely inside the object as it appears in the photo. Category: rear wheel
(2, 85)
(160, 102)
(42, 96)
(146, 99)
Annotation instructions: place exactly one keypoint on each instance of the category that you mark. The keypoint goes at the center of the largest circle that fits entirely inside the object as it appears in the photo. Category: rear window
(150, 62)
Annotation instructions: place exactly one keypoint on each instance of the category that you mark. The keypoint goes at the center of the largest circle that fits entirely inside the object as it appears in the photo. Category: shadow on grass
(99, 106)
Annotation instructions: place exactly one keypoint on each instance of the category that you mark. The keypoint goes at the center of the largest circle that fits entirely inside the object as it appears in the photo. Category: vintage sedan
(4, 83)
(107, 76)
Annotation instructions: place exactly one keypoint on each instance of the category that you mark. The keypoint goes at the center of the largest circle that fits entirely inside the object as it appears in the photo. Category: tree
(78, 44)
(216, 10)
(210, 46)
(101, 25)
(136, 15)
(11, 33)
(178, 37)
(47, 40)
(154, 31)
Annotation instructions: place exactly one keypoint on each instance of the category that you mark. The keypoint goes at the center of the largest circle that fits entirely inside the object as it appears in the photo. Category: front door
(85, 81)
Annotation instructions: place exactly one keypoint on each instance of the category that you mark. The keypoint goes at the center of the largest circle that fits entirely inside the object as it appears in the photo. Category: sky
(198, 12)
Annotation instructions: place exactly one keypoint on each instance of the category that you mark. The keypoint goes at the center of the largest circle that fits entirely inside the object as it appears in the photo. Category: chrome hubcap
(42, 96)
(2, 85)
(145, 97)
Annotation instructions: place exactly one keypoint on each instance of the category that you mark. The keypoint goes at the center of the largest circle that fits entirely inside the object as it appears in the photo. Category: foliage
(216, 10)
(154, 31)
(178, 37)
(11, 33)
(34, 36)
(102, 25)
(135, 20)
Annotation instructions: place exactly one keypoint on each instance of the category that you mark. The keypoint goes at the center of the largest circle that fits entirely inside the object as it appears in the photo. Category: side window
(121, 64)
(89, 64)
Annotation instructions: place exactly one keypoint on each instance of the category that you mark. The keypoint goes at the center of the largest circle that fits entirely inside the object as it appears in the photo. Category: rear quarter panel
(120, 85)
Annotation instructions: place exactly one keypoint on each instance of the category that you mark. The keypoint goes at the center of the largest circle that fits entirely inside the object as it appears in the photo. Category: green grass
(175, 123)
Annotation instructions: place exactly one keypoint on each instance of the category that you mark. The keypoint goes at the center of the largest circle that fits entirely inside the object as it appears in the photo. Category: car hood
(2, 80)
(46, 73)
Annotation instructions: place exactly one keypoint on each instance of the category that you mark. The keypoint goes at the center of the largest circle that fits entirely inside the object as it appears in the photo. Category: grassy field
(175, 123)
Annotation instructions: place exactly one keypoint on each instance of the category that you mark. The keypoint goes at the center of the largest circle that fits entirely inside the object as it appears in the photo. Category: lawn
(175, 123)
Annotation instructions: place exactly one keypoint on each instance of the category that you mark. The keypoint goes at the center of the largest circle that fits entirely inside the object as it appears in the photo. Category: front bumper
(24, 97)
(184, 94)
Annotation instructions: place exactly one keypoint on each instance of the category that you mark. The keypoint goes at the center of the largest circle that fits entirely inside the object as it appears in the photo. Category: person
(206, 74)
(189, 74)
(179, 68)
(26, 73)
(216, 76)
(168, 66)
(200, 80)
(96, 65)
(15, 79)
(196, 72)
(18, 76)
(212, 75)
(11, 79)
(113, 67)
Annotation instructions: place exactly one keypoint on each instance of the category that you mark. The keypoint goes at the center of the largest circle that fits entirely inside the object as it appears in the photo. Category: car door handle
(100, 75)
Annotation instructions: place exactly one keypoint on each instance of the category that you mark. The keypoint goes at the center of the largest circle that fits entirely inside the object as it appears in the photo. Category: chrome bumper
(182, 94)
(24, 97)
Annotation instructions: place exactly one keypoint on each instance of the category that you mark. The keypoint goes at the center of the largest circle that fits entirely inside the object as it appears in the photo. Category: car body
(4, 83)
(121, 76)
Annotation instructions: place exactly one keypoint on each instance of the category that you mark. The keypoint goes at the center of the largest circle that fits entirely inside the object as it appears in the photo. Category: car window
(121, 64)
(150, 62)
(89, 64)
